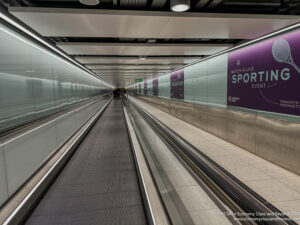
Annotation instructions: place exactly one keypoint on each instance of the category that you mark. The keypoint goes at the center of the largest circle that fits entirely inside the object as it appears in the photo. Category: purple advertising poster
(266, 76)
(155, 87)
(145, 87)
(177, 84)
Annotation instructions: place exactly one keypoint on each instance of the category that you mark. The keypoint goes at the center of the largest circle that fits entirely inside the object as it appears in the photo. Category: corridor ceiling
(122, 40)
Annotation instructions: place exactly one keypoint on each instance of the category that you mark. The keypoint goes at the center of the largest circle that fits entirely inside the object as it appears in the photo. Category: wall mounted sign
(266, 76)
(177, 84)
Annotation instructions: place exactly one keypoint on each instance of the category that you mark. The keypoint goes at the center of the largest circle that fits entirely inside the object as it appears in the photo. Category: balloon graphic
(281, 52)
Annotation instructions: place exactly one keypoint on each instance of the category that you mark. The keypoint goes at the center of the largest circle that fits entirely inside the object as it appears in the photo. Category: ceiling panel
(124, 81)
(130, 69)
(186, 49)
(95, 23)
(142, 24)
(129, 76)
(141, 49)
(233, 26)
(160, 60)
(102, 49)
(133, 67)
(125, 73)
(130, 72)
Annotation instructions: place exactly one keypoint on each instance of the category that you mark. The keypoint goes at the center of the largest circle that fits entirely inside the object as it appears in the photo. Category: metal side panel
(182, 110)
(241, 129)
(154, 208)
(217, 121)
(3, 183)
(272, 139)
(278, 141)
(200, 116)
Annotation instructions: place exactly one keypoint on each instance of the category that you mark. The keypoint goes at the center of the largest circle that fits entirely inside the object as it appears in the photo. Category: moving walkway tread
(99, 185)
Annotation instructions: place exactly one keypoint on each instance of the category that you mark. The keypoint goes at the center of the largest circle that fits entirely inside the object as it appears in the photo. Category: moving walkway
(132, 169)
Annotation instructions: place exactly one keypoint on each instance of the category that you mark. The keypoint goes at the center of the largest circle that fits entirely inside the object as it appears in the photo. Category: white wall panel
(25, 154)
(43, 86)
(195, 83)
(201, 77)
(65, 127)
(164, 86)
(16, 90)
(150, 87)
(217, 80)
(189, 84)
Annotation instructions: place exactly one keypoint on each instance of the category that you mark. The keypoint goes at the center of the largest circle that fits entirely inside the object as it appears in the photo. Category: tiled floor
(275, 184)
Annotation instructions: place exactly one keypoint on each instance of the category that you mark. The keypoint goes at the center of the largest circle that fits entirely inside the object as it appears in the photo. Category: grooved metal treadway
(99, 185)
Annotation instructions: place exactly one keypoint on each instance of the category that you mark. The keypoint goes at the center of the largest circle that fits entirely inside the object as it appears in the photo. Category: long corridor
(149, 112)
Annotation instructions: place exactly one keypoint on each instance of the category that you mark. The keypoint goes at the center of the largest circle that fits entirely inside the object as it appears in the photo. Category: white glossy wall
(35, 83)
(164, 86)
(150, 87)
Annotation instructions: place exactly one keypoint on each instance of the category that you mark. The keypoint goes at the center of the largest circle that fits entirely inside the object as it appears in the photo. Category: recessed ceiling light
(89, 2)
(151, 40)
(180, 5)
(142, 57)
